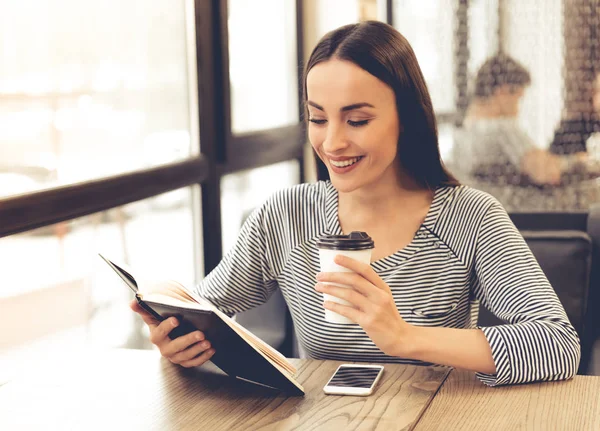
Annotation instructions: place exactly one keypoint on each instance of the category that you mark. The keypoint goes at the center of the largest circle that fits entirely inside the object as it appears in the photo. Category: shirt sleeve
(244, 278)
(538, 342)
(515, 142)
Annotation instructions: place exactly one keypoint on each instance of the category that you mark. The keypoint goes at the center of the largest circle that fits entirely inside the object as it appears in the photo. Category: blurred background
(148, 130)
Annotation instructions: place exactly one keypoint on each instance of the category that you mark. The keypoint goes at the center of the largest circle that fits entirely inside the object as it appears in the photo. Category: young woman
(439, 247)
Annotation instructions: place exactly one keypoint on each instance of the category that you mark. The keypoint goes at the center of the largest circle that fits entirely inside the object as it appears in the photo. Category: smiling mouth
(345, 163)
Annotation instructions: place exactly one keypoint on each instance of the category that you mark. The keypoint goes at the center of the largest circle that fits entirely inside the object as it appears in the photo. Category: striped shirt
(466, 250)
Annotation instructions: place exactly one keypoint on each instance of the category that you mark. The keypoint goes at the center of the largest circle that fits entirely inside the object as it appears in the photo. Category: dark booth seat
(565, 256)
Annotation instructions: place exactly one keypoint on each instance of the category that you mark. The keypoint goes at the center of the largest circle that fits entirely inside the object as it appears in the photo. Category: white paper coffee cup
(331, 246)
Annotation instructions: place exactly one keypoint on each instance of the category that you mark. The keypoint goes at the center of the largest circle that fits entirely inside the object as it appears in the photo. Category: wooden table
(463, 403)
(137, 390)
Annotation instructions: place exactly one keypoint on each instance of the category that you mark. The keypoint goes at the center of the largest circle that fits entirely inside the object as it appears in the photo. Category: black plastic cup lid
(353, 241)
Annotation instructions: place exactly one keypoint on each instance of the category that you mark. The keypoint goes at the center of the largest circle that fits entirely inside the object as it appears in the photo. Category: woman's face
(353, 124)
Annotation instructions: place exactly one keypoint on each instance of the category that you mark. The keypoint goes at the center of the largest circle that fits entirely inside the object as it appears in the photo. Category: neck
(383, 201)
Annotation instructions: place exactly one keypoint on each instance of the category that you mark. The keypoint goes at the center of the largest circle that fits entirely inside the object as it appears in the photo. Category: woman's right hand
(190, 350)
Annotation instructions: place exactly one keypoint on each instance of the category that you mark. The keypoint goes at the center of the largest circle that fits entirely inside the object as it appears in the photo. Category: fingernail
(173, 322)
(211, 352)
(199, 337)
(205, 345)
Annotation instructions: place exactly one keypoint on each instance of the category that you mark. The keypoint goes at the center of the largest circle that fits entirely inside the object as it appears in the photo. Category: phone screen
(354, 377)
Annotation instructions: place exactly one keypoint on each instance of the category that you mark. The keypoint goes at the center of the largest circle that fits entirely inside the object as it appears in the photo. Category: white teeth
(343, 164)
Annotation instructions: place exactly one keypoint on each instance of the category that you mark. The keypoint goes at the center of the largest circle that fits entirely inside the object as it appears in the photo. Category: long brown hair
(382, 51)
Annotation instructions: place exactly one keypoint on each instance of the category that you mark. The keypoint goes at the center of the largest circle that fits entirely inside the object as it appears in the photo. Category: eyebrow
(344, 109)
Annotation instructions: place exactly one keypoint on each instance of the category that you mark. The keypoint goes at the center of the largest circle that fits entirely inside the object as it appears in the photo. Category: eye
(358, 123)
(314, 120)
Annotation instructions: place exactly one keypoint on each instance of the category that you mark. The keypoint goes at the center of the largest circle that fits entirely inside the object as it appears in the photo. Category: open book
(238, 352)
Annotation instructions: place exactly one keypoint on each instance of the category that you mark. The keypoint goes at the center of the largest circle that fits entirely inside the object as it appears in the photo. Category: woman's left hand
(373, 306)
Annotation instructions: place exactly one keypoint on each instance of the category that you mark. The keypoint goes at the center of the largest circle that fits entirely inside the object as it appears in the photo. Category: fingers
(362, 277)
(362, 269)
(196, 362)
(190, 350)
(350, 295)
(355, 282)
(173, 347)
(190, 353)
(344, 310)
(160, 334)
(350, 279)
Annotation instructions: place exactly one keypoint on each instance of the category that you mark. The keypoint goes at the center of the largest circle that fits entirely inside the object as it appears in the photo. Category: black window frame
(244, 151)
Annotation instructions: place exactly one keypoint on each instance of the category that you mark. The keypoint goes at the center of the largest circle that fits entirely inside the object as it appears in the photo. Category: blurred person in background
(492, 146)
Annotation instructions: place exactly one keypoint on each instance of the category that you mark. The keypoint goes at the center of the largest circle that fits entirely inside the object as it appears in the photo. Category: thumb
(146, 317)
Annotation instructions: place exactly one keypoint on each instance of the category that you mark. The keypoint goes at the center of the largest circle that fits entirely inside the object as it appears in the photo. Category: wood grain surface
(464, 403)
(133, 389)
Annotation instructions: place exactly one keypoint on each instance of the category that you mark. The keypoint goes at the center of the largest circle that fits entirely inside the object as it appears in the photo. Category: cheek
(386, 140)
(315, 136)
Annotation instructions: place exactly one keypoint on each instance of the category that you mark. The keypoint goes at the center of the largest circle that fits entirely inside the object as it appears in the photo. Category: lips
(345, 163)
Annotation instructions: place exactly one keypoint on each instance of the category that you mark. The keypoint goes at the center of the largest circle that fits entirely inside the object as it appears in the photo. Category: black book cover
(233, 354)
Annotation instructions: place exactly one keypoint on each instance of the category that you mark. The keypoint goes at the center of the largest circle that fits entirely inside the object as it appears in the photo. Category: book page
(174, 290)
(175, 302)
(278, 359)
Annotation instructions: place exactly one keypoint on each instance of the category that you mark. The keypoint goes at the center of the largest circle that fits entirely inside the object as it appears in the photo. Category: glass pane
(63, 295)
(244, 191)
(263, 64)
(327, 15)
(90, 89)
(530, 132)
(428, 25)
(368, 10)
(483, 32)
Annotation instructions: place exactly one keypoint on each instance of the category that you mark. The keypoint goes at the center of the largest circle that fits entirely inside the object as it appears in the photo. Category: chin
(345, 185)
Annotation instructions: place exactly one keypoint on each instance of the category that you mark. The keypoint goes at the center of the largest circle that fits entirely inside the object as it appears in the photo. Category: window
(99, 106)
(105, 129)
(244, 191)
(428, 25)
(56, 276)
(262, 64)
(86, 92)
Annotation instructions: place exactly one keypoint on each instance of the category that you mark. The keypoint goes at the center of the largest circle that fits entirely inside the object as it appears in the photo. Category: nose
(335, 141)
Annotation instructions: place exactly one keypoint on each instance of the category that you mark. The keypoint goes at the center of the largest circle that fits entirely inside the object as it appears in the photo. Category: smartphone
(352, 379)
